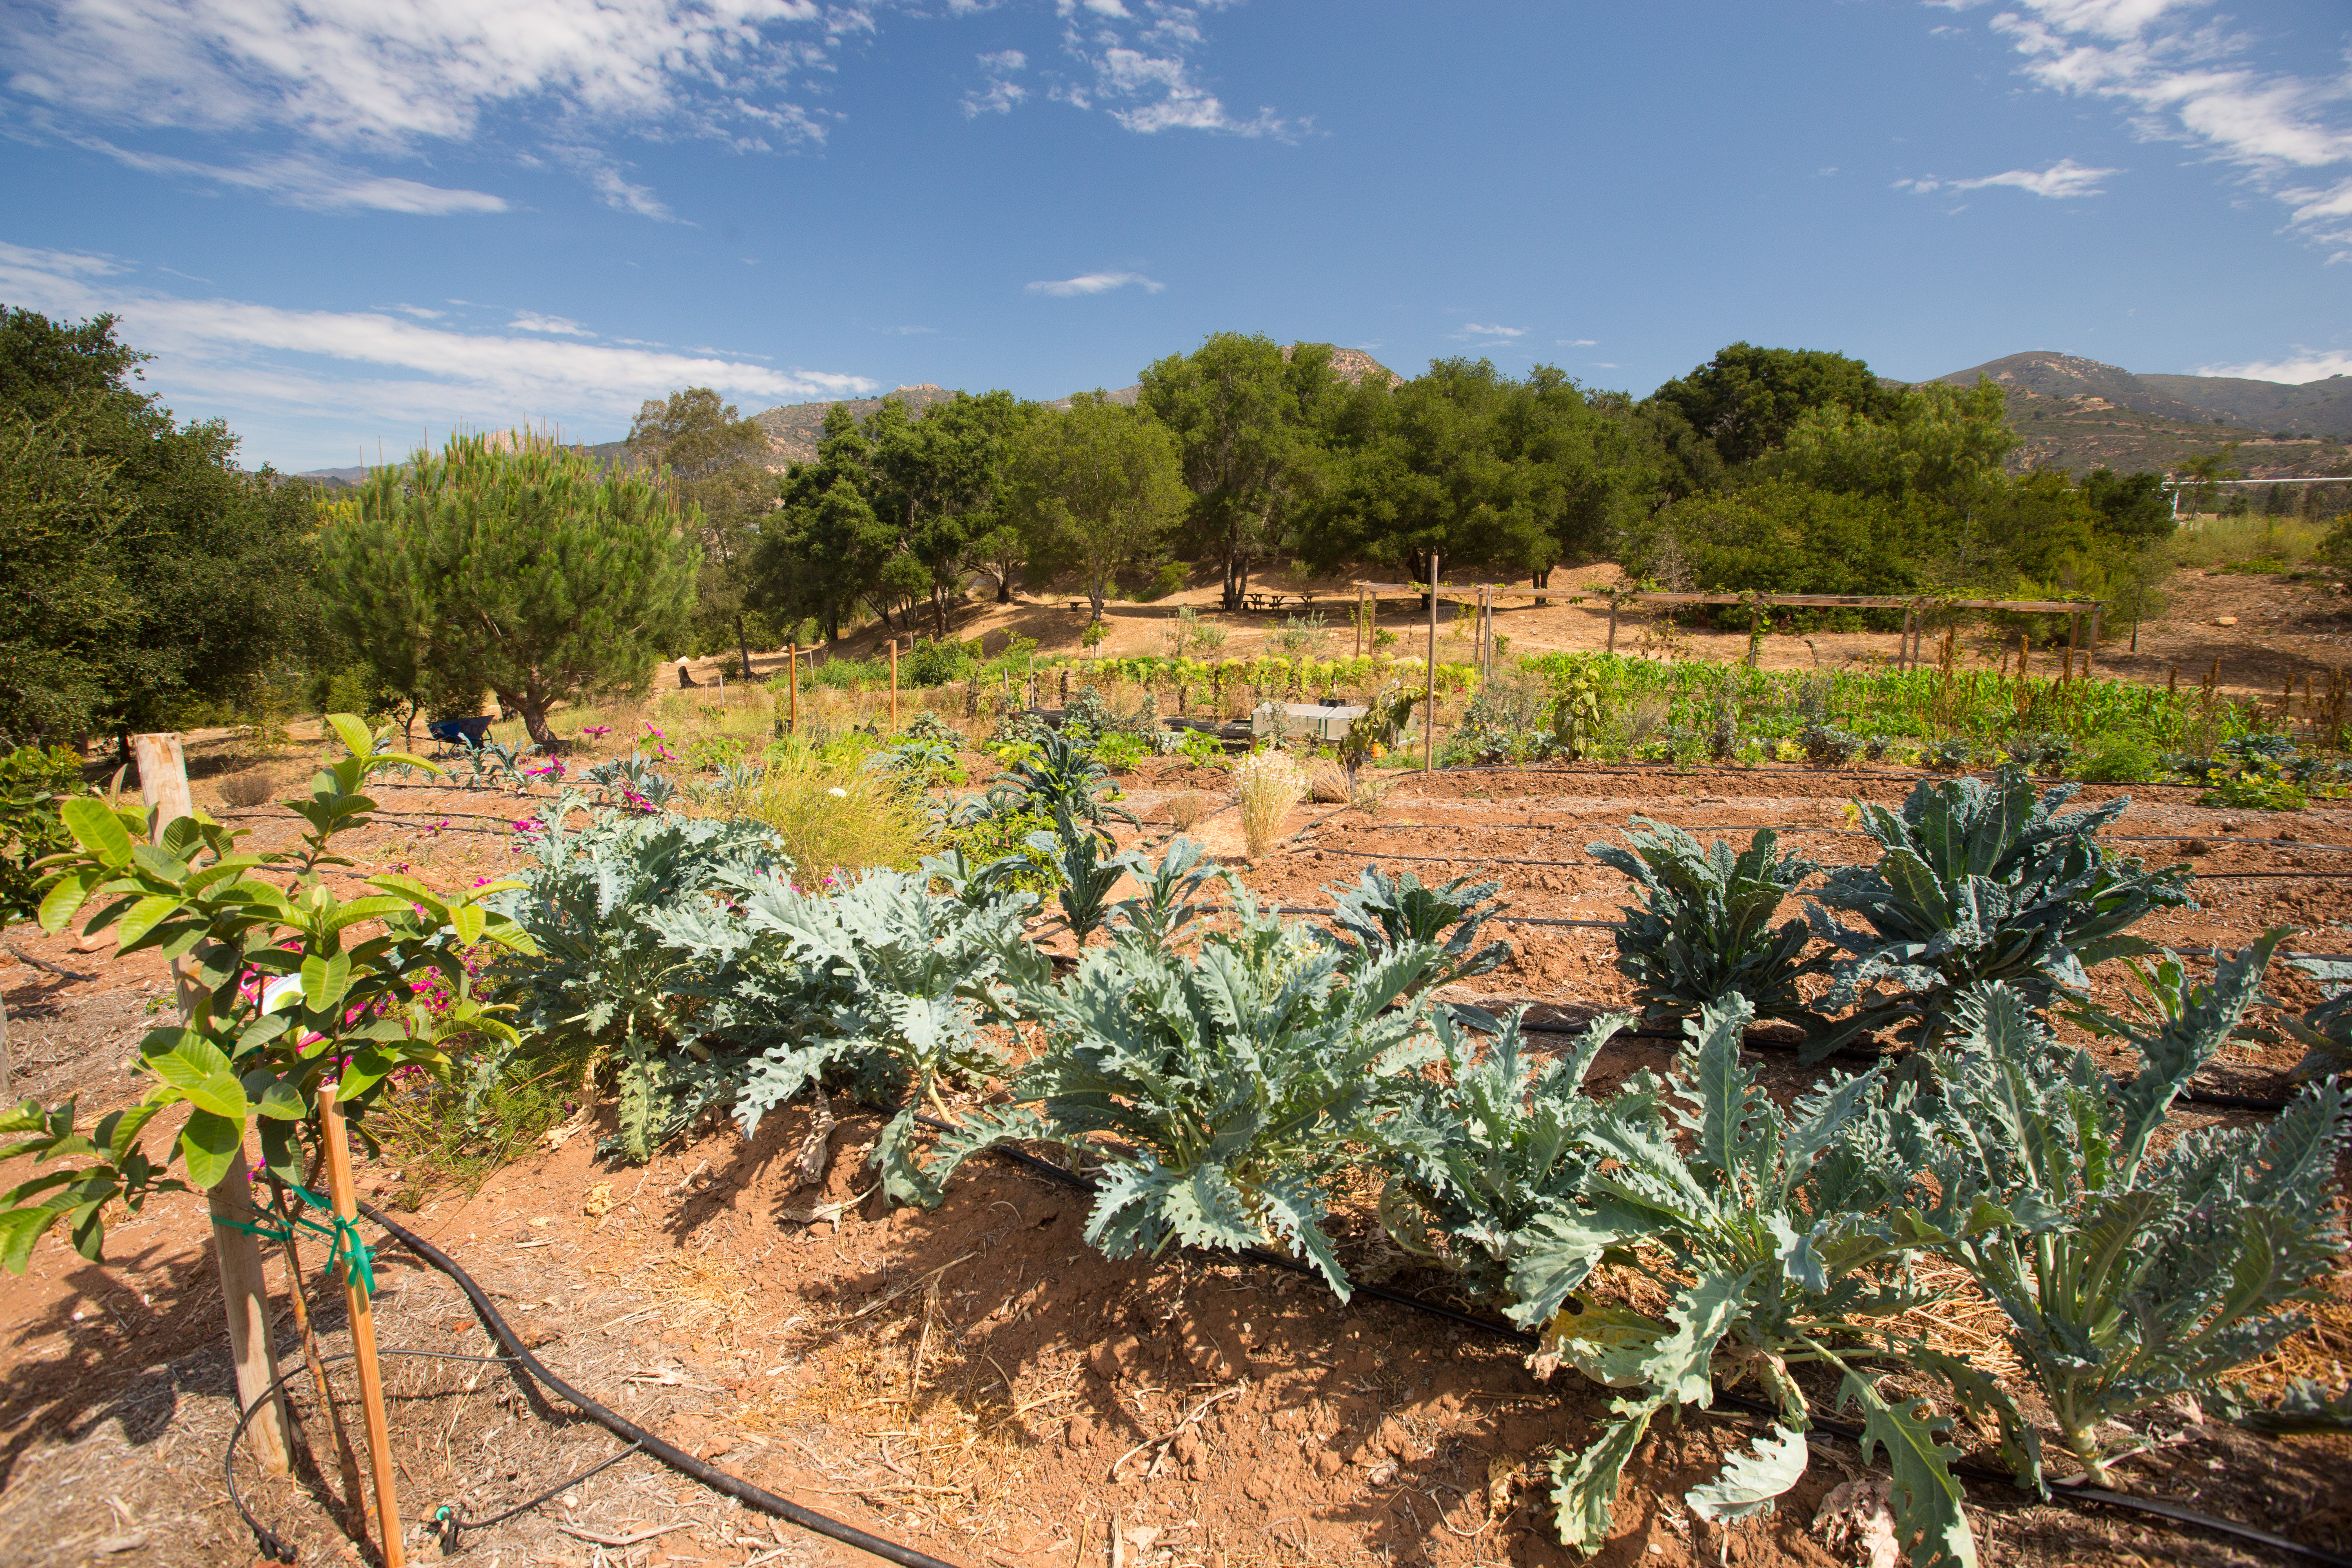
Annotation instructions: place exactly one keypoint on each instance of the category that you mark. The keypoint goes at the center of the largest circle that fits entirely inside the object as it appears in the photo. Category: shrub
(243, 791)
(1977, 883)
(33, 782)
(1267, 783)
(1185, 810)
(2115, 759)
(1327, 782)
(1703, 930)
(930, 662)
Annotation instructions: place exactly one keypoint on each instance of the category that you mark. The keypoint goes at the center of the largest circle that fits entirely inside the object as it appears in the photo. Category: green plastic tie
(348, 1258)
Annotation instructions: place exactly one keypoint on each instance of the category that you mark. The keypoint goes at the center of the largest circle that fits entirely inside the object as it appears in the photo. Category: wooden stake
(1903, 642)
(2091, 653)
(2172, 680)
(894, 685)
(1429, 718)
(793, 687)
(245, 1290)
(1359, 620)
(1612, 620)
(379, 1435)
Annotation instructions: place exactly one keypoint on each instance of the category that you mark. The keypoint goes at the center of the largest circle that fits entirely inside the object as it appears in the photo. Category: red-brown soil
(976, 1381)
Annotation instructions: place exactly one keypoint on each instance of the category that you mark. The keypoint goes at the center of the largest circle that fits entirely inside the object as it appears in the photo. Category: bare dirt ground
(976, 1381)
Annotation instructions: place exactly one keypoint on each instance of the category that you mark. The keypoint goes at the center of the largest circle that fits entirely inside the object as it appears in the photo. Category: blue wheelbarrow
(467, 733)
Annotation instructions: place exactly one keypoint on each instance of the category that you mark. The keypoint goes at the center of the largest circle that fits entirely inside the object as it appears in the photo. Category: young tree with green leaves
(718, 462)
(517, 559)
(939, 480)
(1745, 399)
(1934, 440)
(1096, 490)
(1245, 413)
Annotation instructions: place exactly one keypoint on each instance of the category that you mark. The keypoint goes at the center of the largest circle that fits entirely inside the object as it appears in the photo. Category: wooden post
(1428, 717)
(2172, 680)
(245, 1292)
(2073, 641)
(2090, 651)
(1612, 622)
(793, 685)
(1359, 620)
(894, 685)
(1903, 641)
(378, 1438)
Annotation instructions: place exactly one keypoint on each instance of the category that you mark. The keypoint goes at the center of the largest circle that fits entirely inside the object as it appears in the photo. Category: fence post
(1359, 620)
(2091, 654)
(244, 1293)
(894, 685)
(362, 1320)
(793, 687)
(1428, 717)
(1612, 621)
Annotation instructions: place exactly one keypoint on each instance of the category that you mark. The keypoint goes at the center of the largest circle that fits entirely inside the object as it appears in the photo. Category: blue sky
(349, 224)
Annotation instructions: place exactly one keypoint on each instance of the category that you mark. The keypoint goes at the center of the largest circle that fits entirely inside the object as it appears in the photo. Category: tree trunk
(743, 646)
(533, 708)
(1004, 587)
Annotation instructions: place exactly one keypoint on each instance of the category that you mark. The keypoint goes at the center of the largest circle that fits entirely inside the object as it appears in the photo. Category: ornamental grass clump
(1267, 783)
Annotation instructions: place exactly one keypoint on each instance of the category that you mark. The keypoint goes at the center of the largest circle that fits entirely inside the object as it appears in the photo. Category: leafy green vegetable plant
(289, 992)
(1089, 869)
(1159, 914)
(1224, 1081)
(2127, 1276)
(1061, 774)
(1384, 913)
(1703, 930)
(1766, 1227)
(1978, 883)
(2326, 1031)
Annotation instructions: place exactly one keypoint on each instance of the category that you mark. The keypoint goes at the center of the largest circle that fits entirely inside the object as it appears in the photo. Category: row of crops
(1225, 1076)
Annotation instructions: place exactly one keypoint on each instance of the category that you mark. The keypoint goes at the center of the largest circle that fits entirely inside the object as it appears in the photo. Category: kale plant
(1159, 914)
(1223, 1083)
(1978, 883)
(1829, 745)
(1089, 869)
(2128, 1276)
(1769, 1230)
(1384, 913)
(1061, 775)
(1704, 929)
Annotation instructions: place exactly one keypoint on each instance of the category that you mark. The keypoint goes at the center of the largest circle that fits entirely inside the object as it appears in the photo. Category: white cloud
(1094, 283)
(303, 180)
(2180, 79)
(302, 373)
(2309, 365)
(1003, 92)
(1472, 329)
(1574, 342)
(2063, 179)
(562, 326)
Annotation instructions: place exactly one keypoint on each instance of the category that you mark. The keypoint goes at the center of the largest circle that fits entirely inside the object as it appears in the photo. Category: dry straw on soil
(1185, 810)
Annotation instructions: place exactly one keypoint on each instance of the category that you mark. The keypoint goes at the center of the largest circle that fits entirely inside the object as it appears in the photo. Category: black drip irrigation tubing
(2073, 1494)
(613, 1421)
(1892, 776)
(1468, 859)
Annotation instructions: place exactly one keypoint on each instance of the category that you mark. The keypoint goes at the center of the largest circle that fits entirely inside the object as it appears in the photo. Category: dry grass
(1269, 783)
(1186, 810)
(244, 790)
(1327, 782)
(836, 816)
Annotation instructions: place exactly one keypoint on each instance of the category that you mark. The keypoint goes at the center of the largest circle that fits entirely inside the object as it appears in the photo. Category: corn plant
(1216, 1088)
(1703, 931)
(289, 994)
(1772, 1260)
(1383, 913)
(1978, 883)
(1767, 1228)
(2128, 1276)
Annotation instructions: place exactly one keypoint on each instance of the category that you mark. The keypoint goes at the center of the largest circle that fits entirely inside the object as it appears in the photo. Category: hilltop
(2079, 414)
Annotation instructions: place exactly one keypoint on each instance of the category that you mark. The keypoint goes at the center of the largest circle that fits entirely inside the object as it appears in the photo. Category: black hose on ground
(620, 1426)
(2074, 1495)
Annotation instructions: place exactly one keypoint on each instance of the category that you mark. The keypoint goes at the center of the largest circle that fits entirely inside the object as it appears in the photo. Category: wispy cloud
(300, 179)
(562, 326)
(295, 373)
(1473, 329)
(1095, 283)
(2307, 365)
(1136, 67)
(1003, 92)
(1574, 342)
(2181, 77)
(2063, 179)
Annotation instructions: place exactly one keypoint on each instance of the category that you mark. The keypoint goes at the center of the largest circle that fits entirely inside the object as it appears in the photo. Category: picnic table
(1265, 600)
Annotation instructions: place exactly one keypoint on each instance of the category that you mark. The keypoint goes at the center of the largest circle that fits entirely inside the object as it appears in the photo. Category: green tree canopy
(1934, 440)
(1096, 490)
(192, 587)
(1784, 537)
(1745, 399)
(939, 479)
(716, 462)
(2133, 508)
(1246, 416)
(519, 562)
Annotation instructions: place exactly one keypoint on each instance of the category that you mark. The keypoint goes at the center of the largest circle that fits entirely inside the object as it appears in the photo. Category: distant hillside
(2078, 414)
